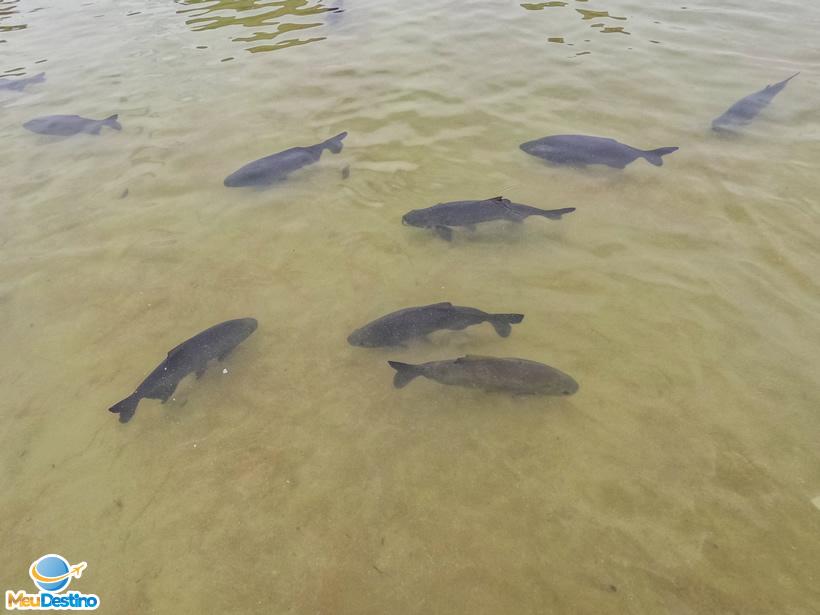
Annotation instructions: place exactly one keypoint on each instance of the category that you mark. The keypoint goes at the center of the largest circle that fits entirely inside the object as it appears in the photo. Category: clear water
(684, 299)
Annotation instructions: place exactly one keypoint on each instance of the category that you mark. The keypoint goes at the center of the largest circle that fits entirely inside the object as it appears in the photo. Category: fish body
(67, 125)
(442, 217)
(191, 356)
(508, 375)
(18, 85)
(277, 167)
(746, 109)
(583, 150)
(398, 327)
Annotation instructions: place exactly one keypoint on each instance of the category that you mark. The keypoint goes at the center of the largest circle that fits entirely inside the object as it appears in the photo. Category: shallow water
(684, 299)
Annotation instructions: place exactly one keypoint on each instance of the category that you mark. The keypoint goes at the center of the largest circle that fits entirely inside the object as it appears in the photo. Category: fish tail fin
(501, 323)
(111, 122)
(405, 373)
(126, 407)
(781, 84)
(654, 155)
(334, 144)
(555, 214)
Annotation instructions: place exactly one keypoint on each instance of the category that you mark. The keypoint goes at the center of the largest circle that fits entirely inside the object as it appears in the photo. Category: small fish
(443, 216)
(746, 109)
(278, 166)
(581, 150)
(191, 356)
(508, 375)
(398, 327)
(67, 125)
(18, 85)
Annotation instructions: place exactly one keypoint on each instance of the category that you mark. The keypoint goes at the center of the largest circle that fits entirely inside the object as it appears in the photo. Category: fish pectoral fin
(470, 227)
(200, 372)
(445, 232)
(224, 355)
(163, 392)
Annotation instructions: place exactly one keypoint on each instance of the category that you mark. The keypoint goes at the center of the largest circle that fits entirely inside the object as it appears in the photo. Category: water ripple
(274, 21)
(599, 18)
(8, 11)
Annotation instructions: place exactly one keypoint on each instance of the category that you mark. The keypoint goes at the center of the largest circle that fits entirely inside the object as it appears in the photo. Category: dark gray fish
(67, 125)
(746, 109)
(191, 356)
(582, 150)
(18, 85)
(443, 216)
(508, 375)
(398, 327)
(276, 167)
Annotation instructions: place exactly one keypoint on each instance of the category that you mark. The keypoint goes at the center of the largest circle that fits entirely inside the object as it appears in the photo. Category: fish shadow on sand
(498, 233)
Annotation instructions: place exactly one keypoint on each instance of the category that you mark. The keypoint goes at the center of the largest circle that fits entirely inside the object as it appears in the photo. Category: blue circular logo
(51, 573)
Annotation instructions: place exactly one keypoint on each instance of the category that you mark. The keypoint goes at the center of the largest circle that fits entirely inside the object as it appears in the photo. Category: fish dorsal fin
(468, 358)
(175, 349)
(443, 304)
(507, 204)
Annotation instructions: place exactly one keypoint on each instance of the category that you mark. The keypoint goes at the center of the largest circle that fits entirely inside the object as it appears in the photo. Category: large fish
(508, 375)
(278, 166)
(582, 150)
(746, 109)
(191, 356)
(398, 327)
(443, 216)
(67, 125)
(18, 85)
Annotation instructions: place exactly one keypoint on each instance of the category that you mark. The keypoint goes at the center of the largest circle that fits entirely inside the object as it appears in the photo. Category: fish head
(362, 339)
(536, 148)
(725, 125)
(557, 382)
(568, 386)
(250, 175)
(416, 217)
(245, 326)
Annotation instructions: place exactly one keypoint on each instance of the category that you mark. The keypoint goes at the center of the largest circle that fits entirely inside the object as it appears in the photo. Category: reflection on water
(279, 21)
(599, 18)
(9, 17)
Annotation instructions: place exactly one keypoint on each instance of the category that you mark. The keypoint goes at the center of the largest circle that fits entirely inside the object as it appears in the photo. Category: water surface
(684, 300)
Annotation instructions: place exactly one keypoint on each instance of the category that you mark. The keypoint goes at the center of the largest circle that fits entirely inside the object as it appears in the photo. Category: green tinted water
(684, 300)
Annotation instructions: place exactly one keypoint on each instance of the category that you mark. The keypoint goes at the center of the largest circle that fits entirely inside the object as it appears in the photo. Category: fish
(583, 150)
(277, 167)
(440, 218)
(67, 125)
(746, 109)
(191, 356)
(492, 374)
(398, 327)
(18, 85)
